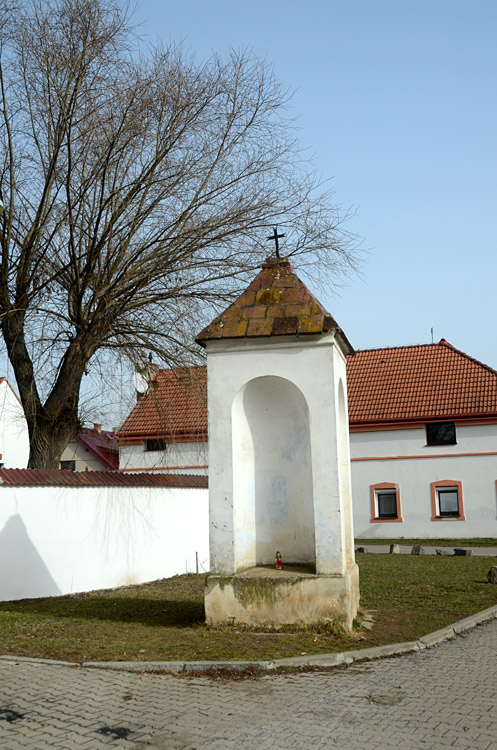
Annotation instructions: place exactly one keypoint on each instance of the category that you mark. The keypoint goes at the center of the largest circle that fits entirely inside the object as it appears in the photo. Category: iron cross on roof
(275, 236)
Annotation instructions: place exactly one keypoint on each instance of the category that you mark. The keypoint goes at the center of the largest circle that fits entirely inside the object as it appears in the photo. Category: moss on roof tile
(276, 303)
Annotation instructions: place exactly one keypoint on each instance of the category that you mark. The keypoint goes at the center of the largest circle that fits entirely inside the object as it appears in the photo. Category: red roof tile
(103, 445)
(423, 382)
(58, 478)
(174, 407)
(406, 383)
(276, 303)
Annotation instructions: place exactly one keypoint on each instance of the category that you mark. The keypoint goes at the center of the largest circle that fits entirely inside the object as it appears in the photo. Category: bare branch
(138, 188)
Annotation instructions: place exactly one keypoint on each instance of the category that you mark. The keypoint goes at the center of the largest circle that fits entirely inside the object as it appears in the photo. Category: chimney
(97, 427)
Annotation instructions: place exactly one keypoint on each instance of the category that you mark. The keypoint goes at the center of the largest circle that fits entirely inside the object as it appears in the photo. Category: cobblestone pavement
(437, 698)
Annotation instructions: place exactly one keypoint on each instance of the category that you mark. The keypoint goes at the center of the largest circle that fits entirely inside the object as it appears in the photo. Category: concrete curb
(439, 636)
(347, 657)
(316, 660)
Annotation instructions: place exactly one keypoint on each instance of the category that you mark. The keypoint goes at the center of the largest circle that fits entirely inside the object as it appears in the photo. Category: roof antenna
(432, 334)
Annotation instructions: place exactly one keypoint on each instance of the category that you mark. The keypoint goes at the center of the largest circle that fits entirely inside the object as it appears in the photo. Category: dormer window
(440, 433)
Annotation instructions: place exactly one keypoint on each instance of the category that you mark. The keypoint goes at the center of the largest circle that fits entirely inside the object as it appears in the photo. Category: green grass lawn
(412, 596)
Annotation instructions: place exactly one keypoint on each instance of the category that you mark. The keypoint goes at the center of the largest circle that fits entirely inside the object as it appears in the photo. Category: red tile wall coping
(276, 303)
(419, 383)
(58, 478)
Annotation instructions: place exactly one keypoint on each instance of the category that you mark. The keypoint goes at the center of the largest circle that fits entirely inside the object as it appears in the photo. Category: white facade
(402, 459)
(177, 458)
(396, 457)
(60, 540)
(14, 436)
(84, 459)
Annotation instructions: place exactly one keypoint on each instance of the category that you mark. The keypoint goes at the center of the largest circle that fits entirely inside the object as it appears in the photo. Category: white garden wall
(60, 540)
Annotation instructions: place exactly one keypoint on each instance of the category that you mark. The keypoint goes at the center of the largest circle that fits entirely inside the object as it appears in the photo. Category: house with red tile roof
(423, 434)
(93, 449)
(167, 428)
(423, 438)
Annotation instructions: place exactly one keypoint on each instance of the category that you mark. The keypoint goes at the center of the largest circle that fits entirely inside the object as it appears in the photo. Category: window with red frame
(385, 502)
(447, 500)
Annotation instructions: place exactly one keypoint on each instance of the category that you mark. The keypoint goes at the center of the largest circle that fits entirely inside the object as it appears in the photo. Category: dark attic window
(155, 444)
(440, 433)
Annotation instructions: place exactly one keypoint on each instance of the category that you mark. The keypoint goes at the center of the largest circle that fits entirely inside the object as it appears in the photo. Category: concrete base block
(263, 596)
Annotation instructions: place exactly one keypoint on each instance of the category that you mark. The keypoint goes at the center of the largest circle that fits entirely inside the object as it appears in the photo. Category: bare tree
(137, 189)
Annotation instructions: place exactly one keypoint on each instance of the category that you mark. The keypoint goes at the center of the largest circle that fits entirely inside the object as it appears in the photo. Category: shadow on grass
(147, 611)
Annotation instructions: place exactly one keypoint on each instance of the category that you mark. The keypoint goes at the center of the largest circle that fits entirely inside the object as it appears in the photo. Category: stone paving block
(33, 660)
(442, 689)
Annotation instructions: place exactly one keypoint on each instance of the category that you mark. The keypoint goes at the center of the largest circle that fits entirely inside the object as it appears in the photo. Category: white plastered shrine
(279, 467)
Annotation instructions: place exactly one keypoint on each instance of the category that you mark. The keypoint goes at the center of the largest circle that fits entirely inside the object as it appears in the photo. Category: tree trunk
(53, 424)
(48, 439)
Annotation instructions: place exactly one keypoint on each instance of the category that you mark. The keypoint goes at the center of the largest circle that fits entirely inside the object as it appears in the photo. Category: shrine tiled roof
(399, 384)
(276, 303)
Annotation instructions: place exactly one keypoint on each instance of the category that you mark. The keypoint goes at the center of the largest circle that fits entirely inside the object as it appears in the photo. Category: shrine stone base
(265, 596)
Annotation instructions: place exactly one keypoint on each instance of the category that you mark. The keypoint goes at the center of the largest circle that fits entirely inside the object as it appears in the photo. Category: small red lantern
(278, 561)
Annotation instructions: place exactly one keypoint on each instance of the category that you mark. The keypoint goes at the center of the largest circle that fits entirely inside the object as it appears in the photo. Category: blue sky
(397, 100)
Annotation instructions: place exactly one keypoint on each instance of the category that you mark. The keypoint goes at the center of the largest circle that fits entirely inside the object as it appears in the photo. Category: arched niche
(272, 475)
